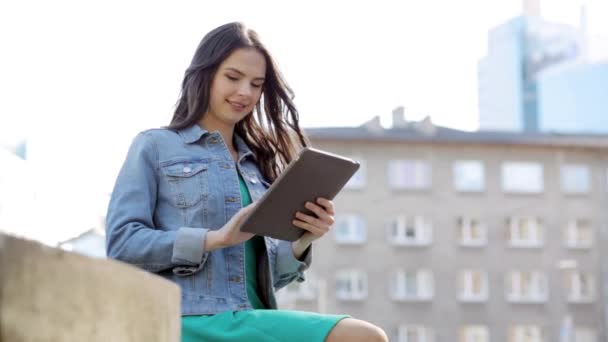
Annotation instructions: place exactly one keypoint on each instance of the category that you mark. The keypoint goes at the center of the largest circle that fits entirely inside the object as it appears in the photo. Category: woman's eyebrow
(243, 74)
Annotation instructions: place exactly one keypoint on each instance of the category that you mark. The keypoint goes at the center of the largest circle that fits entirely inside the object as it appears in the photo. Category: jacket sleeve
(286, 267)
(131, 235)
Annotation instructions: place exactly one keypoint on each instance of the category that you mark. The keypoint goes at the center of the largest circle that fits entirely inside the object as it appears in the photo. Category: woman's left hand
(315, 227)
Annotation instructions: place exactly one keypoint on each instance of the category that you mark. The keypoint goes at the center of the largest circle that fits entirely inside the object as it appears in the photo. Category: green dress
(259, 324)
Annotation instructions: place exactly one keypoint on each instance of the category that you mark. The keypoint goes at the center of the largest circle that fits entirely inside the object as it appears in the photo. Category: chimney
(399, 118)
(374, 125)
(426, 126)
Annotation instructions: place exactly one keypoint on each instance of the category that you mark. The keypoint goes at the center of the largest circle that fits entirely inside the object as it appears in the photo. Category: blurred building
(445, 235)
(35, 205)
(90, 243)
(21, 150)
(507, 76)
(17, 194)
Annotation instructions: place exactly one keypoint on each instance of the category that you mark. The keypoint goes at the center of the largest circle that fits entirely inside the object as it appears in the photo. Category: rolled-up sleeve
(188, 245)
(131, 235)
(287, 267)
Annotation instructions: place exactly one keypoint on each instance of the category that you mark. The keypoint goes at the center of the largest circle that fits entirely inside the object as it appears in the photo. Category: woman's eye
(256, 85)
(232, 78)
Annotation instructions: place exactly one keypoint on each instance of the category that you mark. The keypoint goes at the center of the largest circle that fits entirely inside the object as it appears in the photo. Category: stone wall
(48, 294)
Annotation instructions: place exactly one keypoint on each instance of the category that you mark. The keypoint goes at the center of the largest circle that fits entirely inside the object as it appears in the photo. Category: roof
(413, 132)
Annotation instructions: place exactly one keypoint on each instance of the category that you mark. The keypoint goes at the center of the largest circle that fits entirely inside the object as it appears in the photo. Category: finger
(251, 206)
(329, 205)
(321, 213)
(243, 213)
(308, 227)
(312, 220)
(246, 210)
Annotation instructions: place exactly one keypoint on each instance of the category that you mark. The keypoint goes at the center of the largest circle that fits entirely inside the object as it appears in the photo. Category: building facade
(445, 235)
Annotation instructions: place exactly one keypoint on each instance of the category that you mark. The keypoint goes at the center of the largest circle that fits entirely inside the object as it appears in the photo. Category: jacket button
(235, 279)
(253, 181)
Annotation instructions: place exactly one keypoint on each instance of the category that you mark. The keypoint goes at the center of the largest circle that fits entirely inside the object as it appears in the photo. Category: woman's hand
(230, 234)
(315, 227)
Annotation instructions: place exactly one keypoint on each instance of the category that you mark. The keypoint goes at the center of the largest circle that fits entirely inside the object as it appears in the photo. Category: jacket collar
(195, 132)
(192, 133)
(242, 147)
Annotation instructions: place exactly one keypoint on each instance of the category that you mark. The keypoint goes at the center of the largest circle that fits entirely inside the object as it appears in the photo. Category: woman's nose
(245, 89)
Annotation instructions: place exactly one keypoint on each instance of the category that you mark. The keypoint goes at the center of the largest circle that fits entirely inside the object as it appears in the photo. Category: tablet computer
(313, 174)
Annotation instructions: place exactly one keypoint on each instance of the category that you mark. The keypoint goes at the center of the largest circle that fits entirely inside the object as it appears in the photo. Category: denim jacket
(172, 189)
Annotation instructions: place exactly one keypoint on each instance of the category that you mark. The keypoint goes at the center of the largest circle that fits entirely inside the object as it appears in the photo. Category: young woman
(183, 191)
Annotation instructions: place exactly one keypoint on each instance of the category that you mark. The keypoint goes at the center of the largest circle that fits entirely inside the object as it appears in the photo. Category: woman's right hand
(230, 234)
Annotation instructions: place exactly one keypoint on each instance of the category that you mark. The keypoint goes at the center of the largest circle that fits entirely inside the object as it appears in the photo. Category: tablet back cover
(314, 174)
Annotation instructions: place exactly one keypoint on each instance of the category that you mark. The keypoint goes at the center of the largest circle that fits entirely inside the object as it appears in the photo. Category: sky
(78, 79)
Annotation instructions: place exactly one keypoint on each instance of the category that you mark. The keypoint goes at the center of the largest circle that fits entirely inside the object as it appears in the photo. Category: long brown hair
(273, 133)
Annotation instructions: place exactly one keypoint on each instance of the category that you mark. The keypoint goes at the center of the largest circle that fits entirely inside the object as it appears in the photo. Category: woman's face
(236, 87)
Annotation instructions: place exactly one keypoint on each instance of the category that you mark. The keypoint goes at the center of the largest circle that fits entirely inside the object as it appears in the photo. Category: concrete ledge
(48, 294)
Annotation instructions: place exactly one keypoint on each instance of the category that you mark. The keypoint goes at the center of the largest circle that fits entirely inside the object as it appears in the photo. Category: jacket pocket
(187, 181)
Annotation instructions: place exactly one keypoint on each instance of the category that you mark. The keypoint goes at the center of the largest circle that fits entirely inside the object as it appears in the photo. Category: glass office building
(518, 51)
(574, 98)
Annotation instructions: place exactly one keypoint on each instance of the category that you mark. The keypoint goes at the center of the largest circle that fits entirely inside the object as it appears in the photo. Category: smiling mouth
(237, 105)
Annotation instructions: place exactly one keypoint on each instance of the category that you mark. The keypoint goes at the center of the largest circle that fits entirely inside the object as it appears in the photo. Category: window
(414, 333)
(527, 286)
(410, 231)
(581, 286)
(578, 234)
(522, 177)
(350, 229)
(469, 176)
(584, 334)
(474, 333)
(351, 285)
(525, 333)
(471, 232)
(409, 174)
(357, 181)
(525, 232)
(575, 179)
(473, 286)
(414, 285)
